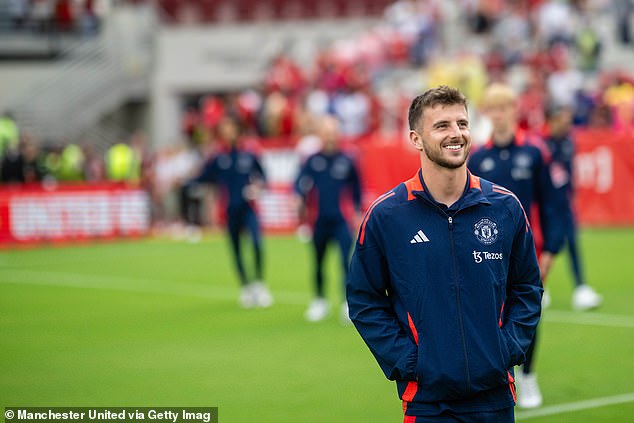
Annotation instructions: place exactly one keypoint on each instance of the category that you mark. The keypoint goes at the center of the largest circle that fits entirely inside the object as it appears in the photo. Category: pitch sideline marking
(575, 406)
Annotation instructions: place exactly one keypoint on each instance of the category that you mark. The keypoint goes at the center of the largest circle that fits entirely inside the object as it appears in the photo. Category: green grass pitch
(156, 323)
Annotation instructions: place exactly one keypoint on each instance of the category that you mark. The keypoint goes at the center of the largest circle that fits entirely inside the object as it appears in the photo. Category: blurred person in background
(122, 164)
(556, 22)
(562, 149)
(12, 166)
(565, 80)
(241, 176)
(18, 11)
(623, 10)
(174, 165)
(93, 163)
(519, 162)
(444, 319)
(64, 15)
(9, 133)
(352, 108)
(23, 164)
(329, 174)
(42, 12)
(72, 164)
(619, 97)
(33, 167)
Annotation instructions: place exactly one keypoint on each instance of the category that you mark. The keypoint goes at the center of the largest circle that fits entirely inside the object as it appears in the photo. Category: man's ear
(416, 140)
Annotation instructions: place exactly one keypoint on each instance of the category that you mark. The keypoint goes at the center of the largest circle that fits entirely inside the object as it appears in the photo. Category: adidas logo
(419, 237)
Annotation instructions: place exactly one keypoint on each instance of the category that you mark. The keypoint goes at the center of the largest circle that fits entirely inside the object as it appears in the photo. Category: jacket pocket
(490, 357)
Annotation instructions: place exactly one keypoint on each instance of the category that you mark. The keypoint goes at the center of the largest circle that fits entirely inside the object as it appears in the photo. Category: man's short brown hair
(442, 95)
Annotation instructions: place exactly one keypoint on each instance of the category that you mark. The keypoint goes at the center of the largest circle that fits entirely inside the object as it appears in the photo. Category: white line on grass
(575, 406)
(133, 284)
(589, 318)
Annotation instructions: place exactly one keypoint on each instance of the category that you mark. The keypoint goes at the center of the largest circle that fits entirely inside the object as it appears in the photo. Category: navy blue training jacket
(447, 299)
(562, 150)
(330, 175)
(523, 168)
(234, 170)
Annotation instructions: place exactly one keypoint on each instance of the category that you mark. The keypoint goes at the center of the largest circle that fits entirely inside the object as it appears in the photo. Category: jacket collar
(472, 194)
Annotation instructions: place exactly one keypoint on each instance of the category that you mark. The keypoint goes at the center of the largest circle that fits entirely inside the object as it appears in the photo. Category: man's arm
(523, 293)
(303, 184)
(372, 312)
(355, 187)
(258, 171)
(257, 181)
(549, 216)
(208, 174)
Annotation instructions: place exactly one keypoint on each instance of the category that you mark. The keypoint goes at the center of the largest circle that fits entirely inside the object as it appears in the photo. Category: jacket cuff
(516, 355)
(406, 367)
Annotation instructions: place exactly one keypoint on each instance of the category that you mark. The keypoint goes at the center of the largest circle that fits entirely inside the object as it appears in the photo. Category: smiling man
(444, 285)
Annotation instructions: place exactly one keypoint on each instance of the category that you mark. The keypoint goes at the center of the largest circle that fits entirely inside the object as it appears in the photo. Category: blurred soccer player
(561, 145)
(241, 176)
(329, 174)
(519, 163)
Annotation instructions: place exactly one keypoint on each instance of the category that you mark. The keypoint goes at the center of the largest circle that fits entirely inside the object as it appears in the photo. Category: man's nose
(454, 130)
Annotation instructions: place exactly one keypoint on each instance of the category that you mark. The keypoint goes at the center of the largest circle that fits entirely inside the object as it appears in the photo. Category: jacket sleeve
(355, 187)
(304, 182)
(523, 293)
(371, 310)
(549, 216)
(258, 170)
(208, 174)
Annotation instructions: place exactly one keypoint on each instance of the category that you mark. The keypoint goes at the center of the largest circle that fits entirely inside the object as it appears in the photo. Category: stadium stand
(174, 67)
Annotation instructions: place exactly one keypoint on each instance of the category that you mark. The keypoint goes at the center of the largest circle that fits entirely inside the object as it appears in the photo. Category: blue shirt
(562, 150)
(329, 176)
(522, 167)
(233, 170)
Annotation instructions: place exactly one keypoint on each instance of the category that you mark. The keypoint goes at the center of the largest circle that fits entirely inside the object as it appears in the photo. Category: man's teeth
(454, 147)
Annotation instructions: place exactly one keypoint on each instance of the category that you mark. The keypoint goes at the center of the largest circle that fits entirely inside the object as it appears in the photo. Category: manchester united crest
(486, 231)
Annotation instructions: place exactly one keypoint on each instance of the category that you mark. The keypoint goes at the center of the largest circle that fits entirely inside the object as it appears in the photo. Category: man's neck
(445, 185)
(503, 138)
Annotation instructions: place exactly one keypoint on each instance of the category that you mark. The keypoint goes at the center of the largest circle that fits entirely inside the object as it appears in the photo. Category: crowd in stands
(56, 16)
(23, 160)
(547, 49)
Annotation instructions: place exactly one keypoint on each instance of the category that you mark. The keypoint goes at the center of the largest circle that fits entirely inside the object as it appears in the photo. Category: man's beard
(437, 156)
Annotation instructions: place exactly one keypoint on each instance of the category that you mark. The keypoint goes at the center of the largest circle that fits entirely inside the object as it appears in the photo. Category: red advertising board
(604, 174)
(30, 214)
(604, 178)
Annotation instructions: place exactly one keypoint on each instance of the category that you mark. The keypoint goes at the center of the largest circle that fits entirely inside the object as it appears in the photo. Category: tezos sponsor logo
(479, 256)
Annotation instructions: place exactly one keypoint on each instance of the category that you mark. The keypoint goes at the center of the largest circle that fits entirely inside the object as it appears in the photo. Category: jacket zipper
(458, 302)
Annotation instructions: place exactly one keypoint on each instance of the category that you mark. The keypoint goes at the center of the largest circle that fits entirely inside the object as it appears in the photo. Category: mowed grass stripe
(139, 285)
